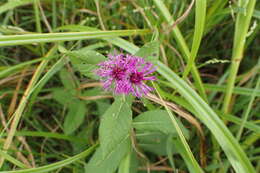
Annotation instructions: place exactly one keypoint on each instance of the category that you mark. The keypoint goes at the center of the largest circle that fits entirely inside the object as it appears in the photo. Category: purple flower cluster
(126, 74)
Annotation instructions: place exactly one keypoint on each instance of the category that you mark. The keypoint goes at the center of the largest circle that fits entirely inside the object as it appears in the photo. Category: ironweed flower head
(125, 74)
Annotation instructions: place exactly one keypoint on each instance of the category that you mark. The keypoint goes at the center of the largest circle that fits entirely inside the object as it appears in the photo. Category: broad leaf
(150, 51)
(75, 116)
(129, 164)
(99, 164)
(67, 80)
(115, 125)
(86, 56)
(85, 61)
(154, 142)
(157, 120)
(62, 96)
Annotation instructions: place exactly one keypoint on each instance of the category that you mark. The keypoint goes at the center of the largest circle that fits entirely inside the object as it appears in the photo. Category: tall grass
(201, 117)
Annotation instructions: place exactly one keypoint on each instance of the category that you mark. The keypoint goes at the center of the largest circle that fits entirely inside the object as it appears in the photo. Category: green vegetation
(202, 116)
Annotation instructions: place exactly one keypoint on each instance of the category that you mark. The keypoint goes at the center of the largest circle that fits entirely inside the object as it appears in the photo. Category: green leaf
(67, 80)
(150, 51)
(86, 56)
(99, 164)
(85, 61)
(154, 142)
(62, 96)
(134, 163)
(102, 106)
(124, 166)
(87, 70)
(84, 134)
(115, 125)
(75, 116)
(157, 120)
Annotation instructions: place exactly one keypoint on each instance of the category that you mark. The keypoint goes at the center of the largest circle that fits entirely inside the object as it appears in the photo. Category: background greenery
(203, 115)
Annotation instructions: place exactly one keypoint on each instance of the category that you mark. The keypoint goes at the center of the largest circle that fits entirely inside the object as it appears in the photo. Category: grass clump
(202, 115)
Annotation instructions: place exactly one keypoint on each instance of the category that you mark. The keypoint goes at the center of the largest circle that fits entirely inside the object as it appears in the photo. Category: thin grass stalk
(217, 6)
(250, 140)
(54, 14)
(200, 16)
(66, 36)
(12, 160)
(15, 68)
(13, 4)
(18, 113)
(38, 21)
(45, 135)
(37, 16)
(248, 109)
(53, 166)
(241, 29)
(183, 46)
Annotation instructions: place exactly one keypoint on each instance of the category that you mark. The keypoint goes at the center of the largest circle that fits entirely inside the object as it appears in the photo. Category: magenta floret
(125, 74)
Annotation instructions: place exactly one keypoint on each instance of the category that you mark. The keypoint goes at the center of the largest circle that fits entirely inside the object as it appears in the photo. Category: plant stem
(241, 28)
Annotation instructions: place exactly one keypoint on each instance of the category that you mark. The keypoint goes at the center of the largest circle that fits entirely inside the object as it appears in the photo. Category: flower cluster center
(118, 73)
(125, 74)
(136, 78)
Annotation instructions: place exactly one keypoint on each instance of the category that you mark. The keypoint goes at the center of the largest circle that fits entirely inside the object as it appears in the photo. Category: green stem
(241, 28)
(247, 111)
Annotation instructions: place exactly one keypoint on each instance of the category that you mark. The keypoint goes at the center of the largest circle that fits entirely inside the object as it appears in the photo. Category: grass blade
(183, 46)
(236, 90)
(200, 16)
(248, 109)
(12, 160)
(13, 4)
(249, 125)
(15, 68)
(56, 165)
(18, 113)
(46, 135)
(66, 36)
(116, 41)
(231, 147)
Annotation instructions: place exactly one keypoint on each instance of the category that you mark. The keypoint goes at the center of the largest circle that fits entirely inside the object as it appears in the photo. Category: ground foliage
(203, 115)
